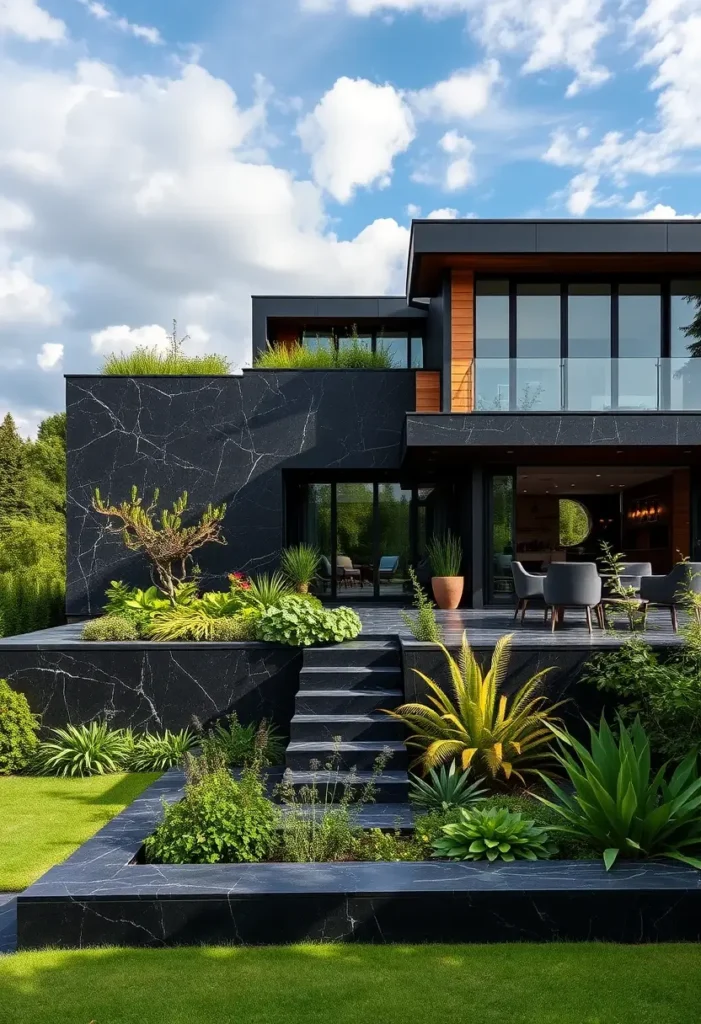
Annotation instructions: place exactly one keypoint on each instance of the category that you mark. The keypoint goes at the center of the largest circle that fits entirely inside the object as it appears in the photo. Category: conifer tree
(13, 472)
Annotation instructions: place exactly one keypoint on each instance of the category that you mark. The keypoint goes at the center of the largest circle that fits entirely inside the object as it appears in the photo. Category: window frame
(376, 335)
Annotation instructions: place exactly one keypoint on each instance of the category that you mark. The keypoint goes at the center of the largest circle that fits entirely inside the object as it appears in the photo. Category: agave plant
(495, 833)
(504, 736)
(300, 564)
(267, 590)
(160, 751)
(93, 749)
(445, 789)
(618, 807)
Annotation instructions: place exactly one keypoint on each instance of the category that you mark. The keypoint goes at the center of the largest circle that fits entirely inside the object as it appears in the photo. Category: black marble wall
(151, 686)
(222, 439)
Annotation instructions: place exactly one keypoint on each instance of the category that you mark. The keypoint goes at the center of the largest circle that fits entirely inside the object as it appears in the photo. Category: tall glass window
(317, 341)
(349, 341)
(639, 345)
(501, 506)
(354, 537)
(395, 345)
(317, 531)
(416, 348)
(394, 509)
(588, 347)
(538, 370)
(685, 311)
(492, 345)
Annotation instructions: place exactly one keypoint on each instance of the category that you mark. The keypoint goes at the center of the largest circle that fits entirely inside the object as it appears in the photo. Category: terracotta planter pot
(447, 590)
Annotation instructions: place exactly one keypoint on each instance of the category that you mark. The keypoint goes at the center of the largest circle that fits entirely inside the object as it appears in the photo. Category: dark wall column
(479, 540)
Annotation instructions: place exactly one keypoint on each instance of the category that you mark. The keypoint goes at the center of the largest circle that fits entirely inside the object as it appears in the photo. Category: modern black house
(544, 395)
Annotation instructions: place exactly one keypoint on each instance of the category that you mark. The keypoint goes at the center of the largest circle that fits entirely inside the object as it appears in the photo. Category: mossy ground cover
(521, 984)
(43, 820)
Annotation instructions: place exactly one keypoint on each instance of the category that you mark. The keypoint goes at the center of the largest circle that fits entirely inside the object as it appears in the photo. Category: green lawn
(43, 820)
(518, 984)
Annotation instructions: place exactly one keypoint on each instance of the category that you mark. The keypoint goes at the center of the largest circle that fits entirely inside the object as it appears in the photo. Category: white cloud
(122, 338)
(50, 356)
(460, 170)
(353, 135)
(662, 212)
(413, 210)
(24, 18)
(23, 300)
(461, 97)
(445, 213)
(582, 194)
(104, 14)
(552, 33)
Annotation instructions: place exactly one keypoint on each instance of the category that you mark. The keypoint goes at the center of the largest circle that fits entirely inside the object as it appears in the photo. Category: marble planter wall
(222, 439)
(153, 686)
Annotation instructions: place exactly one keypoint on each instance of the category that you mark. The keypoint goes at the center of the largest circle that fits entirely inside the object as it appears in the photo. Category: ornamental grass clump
(492, 834)
(93, 749)
(618, 806)
(299, 565)
(160, 751)
(445, 555)
(502, 736)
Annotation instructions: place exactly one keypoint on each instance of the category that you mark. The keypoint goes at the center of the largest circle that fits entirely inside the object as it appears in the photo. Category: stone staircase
(341, 691)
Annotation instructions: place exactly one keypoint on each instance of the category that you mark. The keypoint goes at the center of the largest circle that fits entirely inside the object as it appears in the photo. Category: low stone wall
(154, 686)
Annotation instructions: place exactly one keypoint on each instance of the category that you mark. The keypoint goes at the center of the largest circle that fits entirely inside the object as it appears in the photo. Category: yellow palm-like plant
(479, 726)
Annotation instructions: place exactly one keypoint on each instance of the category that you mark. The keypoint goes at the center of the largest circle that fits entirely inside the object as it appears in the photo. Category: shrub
(300, 624)
(424, 627)
(241, 744)
(18, 730)
(618, 806)
(219, 820)
(445, 555)
(197, 623)
(445, 789)
(234, 629)
(494, 833)
(160, 751)
(300, 564)
(30, 600)
(110, 628)
(500, 735)
(151, 362)
(377, 845)
(83, 750)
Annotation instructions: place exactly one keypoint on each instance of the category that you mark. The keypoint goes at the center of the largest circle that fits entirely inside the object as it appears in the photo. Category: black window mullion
(375, 541)
(334, 541)
(664, 375)
(614, 346)
(513, 353)
(564, 346)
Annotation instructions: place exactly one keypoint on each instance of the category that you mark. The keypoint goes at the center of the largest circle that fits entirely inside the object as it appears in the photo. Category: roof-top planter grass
(147, 361)
(298, 357)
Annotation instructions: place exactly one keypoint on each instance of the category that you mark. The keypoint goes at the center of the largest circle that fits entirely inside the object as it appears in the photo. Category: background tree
(13, 472)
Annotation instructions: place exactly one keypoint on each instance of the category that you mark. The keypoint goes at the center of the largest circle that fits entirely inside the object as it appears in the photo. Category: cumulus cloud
(460, 170)
(24, 300)
(461, 97)
(354, 134)
(445, 213)
(105, 15)
(50, 356)
(26, 19)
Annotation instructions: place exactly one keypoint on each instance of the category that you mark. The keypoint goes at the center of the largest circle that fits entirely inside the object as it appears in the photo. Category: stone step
(355, 653)
(391, 787)
(347, 755)
(379, 677)
(373, 726)
(346, 702)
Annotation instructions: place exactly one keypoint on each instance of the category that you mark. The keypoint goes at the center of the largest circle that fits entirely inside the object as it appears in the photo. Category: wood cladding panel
(462, 333)
(428, 391)
(287, 338)
(681, 514)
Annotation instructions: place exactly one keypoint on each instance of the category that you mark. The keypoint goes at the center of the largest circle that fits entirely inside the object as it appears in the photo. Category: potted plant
(300, 564)
(445, 555)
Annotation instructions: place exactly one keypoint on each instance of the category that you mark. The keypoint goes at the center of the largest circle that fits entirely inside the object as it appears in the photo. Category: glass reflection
(538, 321)
(492, 319)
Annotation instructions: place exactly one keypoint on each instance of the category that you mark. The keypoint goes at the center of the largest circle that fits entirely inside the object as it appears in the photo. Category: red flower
(239, 581)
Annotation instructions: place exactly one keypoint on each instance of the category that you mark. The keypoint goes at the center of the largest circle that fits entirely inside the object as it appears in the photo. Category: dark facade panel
(222, 439)
(683, 236)
(535, 430)
(468, 236)
(602, 236)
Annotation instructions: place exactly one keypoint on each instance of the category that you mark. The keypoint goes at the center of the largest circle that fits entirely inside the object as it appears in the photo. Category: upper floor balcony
(586, 385)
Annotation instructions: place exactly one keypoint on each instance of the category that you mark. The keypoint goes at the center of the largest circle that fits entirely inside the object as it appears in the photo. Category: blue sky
(170, 159)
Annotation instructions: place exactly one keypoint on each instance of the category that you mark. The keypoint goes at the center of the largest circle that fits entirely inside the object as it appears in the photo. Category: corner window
(685, 312)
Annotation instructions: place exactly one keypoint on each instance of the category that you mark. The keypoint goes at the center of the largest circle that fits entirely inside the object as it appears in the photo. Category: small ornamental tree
(161, 536)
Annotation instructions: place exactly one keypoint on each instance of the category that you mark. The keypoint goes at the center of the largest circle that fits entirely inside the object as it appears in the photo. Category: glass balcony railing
(587, 385)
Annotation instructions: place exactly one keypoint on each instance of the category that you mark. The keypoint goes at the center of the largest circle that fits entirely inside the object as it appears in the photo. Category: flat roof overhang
(623, 438)
(577, 247)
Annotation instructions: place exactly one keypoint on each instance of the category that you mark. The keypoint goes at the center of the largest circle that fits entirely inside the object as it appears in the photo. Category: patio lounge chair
(348, 572)
(572, 585)
(668, 591)
(388, 566)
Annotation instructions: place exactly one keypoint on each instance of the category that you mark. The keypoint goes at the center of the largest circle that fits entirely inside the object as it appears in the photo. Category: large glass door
(355, 540)
(500, 505)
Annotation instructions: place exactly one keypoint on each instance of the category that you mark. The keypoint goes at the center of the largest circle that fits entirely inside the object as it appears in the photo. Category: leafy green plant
(235, 628)
(376, 845)
(161, 535)
(319, 822)
(267, 590)
(424, 627)
(110, 628)
(241, 744)
(504, 736)
(445, 555)
(445, 789)
(160, 751)
(30, 599)
(18, 730)
(196, 622)
(300, 564)
(493, 834)
(147, 361)
(619, 806)
(613, 565)
(300, 624)
(218, 821)
(83, 750)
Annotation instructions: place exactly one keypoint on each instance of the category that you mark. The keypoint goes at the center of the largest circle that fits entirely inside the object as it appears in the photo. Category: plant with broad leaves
(444, 789)
(492, 834)
(616, 803)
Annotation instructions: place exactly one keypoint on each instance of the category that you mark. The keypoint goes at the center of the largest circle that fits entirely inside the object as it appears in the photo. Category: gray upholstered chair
(667, 591)
(572, 585)
(527, 588)
(349, 573)
(633, 572)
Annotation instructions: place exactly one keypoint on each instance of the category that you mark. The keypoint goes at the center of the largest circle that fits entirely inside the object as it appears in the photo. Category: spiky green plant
(300, 564)
(267, 589)
(93, 749)
(299, 357)
(618, 806)
(424, 627)
(445, 789)
(158, 752)
(445, 554)
(493, 834)
(242, 744)
(504, 736)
